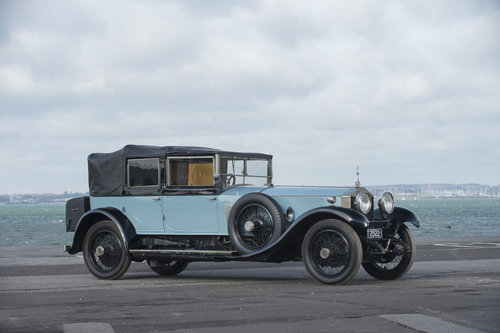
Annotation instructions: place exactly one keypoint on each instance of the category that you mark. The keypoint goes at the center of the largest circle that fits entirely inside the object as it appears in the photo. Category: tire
(104, 251)
(167, 268)
(391, 266)
(332, 252)
(254, 222)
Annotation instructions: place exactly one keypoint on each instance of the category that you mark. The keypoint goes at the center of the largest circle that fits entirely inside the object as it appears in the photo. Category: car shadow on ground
(361, 278)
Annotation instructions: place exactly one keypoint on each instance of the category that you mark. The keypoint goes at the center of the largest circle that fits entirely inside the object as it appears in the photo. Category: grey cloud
(406, 90)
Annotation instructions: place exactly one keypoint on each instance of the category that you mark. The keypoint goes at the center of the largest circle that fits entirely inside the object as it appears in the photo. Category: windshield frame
(229, 177)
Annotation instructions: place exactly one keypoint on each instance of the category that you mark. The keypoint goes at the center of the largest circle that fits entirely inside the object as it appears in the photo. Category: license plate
(374, 233)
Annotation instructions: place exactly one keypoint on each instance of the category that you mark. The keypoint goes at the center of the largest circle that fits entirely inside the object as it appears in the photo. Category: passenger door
(190, 206)
(143, 205)
(145, 213)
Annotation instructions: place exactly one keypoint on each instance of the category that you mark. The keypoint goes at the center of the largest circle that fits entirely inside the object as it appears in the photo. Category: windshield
(245, 171)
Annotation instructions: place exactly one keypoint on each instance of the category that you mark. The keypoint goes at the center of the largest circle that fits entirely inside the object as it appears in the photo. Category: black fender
(398, 217)
(91, 217)
(288, 246)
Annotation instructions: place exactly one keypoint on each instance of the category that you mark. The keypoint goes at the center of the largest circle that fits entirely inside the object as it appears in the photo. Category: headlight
(386, 203)
(363, 203)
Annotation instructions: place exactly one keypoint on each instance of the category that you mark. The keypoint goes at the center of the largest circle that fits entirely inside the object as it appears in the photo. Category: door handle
(156, 199)
(212, 198)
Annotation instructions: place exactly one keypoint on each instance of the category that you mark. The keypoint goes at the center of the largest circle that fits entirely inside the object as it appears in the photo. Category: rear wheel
(104, 251)
(167, 268)
(332, 252)
(398, 259)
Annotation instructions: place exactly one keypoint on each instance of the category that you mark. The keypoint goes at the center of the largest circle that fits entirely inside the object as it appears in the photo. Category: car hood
(305, 191)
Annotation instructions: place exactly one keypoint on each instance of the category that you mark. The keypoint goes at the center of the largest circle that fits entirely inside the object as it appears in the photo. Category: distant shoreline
(396, 197)
(410, 197)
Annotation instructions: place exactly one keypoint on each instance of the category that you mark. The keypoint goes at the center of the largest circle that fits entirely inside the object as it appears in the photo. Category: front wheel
(398, 259)
(104, 251)
(167, 268)
(332, 252)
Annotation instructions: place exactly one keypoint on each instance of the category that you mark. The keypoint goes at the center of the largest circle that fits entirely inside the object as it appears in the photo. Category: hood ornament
(357, 183)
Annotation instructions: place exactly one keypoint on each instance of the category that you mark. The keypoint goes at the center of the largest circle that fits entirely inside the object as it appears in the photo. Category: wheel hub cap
(99, 250)
(249, 226)
(324, 253)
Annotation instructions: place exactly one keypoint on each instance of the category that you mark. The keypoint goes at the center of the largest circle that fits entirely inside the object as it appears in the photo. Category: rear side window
(191, 171)
(143, 172)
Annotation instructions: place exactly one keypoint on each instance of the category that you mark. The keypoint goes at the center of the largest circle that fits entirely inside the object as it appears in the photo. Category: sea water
(33, 224)
(454, 217)
(44, 224)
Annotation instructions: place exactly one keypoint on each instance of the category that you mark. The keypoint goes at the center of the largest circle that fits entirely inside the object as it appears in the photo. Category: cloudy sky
(407, 90)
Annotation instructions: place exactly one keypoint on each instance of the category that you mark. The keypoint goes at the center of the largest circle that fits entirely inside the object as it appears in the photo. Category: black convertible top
(107, 170)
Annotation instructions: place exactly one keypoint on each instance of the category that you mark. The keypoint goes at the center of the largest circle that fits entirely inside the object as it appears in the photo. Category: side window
(143, 172)
(191, 171)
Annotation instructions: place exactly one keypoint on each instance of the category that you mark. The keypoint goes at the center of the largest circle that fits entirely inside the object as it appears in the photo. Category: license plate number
(374, 233)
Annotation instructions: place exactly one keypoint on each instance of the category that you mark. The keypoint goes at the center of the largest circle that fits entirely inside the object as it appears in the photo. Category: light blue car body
(208, 214)
(173, 205)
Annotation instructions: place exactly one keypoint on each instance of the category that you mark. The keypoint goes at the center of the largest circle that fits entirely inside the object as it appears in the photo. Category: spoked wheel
(332, 252)
(104, 251)
(398, 259)
(167, 268)
(255, 221)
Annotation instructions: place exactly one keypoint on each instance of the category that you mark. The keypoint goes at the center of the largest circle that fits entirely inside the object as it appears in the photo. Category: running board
(187, 251)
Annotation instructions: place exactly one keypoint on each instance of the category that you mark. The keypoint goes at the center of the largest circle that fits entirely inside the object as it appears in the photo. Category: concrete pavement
(454, 286)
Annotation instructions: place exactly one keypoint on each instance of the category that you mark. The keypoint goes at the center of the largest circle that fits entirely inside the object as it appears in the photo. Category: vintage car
(174, 205)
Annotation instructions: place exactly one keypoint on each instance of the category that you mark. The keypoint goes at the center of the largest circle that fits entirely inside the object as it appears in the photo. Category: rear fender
(90, 218)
